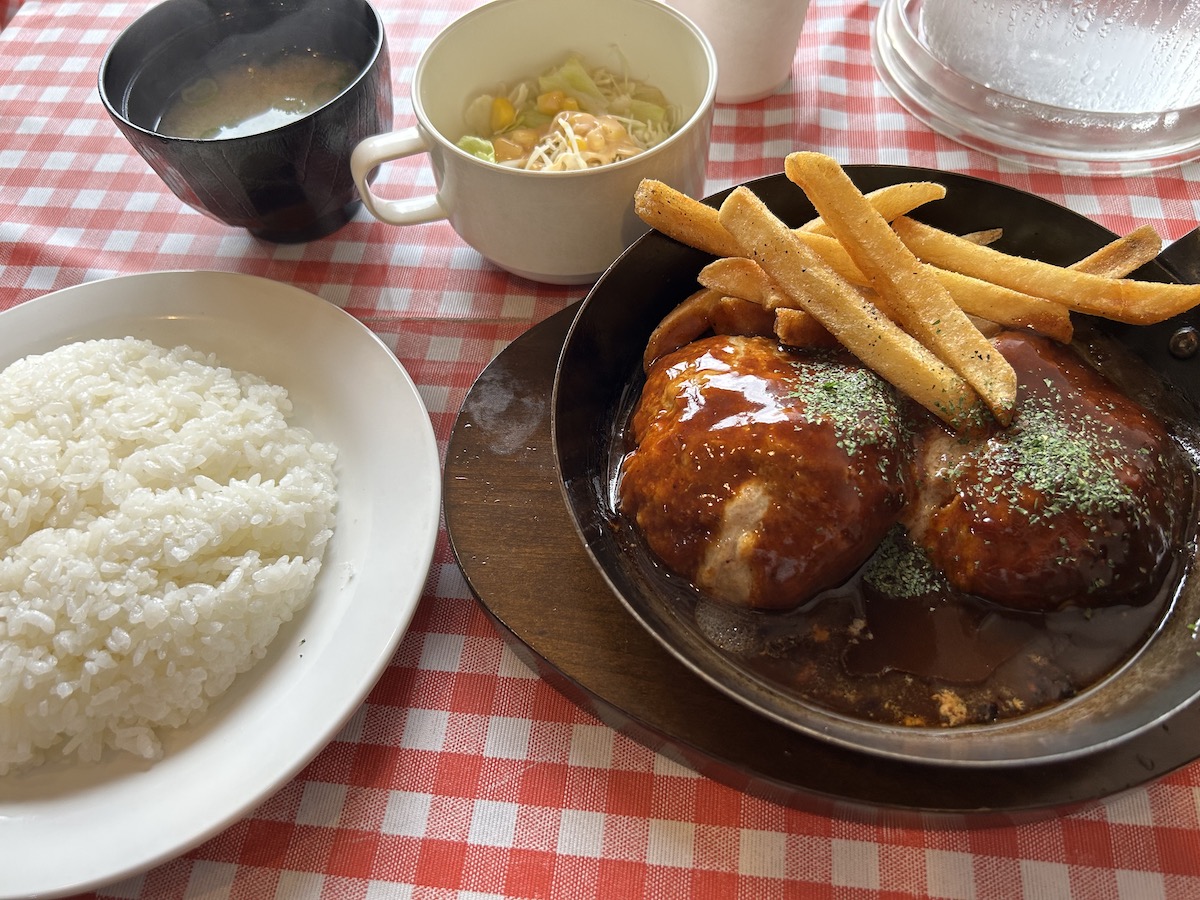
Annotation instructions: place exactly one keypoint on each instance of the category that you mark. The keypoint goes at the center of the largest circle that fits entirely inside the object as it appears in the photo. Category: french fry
(691, 222)
(986, 236)
(1124, 255)
(745, 278)
(919, 301)
(681, 325)
(1114, 260)
(798, 328)
(735, 315)
(979, 298)
(683, 218)
(737, 276)
(1007, 307)
(1120, 299)
(844, 312)
(890, 201)
(836, 256)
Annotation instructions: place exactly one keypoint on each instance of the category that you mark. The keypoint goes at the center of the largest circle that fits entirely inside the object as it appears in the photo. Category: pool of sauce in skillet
(933, 658)
(897, 644)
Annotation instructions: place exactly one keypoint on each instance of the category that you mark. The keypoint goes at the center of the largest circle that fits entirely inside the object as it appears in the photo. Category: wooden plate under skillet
(524, 561)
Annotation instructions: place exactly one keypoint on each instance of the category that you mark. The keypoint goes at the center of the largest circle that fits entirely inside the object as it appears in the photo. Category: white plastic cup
(754, 41)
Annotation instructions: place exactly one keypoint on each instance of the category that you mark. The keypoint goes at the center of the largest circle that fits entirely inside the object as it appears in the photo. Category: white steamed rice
(159, 521)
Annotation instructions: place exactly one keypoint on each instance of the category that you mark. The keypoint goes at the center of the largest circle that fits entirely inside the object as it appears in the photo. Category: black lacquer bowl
(599, 377)
(290, 183)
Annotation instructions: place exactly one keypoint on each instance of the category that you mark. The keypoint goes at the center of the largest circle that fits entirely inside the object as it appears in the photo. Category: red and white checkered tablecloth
(464, 774)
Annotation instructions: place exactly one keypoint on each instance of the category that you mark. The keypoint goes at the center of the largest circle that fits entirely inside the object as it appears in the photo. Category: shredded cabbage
(478, 146)
(568, 118)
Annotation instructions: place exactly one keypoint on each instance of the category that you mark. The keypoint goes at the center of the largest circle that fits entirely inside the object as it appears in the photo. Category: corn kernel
(550, 102)
(503, 114)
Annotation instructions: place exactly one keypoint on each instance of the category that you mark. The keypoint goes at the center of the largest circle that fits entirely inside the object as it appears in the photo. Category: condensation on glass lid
(1091, 86)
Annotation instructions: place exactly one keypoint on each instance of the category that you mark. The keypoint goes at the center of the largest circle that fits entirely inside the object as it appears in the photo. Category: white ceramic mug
(555, 227)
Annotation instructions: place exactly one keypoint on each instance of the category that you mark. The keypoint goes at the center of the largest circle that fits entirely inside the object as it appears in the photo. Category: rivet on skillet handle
(1184, 342)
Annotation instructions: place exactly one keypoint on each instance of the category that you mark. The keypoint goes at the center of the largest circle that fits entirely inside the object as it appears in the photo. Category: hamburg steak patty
(764, 475)
(1080, 500)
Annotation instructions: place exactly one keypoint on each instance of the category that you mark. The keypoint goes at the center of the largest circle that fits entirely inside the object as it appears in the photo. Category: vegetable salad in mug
(570, 118)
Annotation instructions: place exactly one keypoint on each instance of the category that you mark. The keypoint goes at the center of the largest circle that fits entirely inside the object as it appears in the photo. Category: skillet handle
(1172, 347)
(1182, 258)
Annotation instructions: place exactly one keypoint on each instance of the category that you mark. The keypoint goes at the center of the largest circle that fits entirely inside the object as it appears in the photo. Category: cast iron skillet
(599, 376)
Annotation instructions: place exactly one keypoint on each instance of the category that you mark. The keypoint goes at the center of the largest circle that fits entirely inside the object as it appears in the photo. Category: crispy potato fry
(737, 276)
(830, 250)
(890, 201)
(1124, 255)
(1005, 306)
(691, 222)
(745, 278)
(986, 236)
(836, 256)
(681, 217)
(987, 327)
(1120, 299)
(979, 298)
(681, 325)
(844, 312)
(919, 301)
(798, 328)
(734, 315)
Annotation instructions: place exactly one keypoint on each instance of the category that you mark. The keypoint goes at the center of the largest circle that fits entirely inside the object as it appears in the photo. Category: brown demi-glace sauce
(714, 485)
(895, 642)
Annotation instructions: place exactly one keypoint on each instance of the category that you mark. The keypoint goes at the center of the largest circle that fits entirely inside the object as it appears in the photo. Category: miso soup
(251, 98)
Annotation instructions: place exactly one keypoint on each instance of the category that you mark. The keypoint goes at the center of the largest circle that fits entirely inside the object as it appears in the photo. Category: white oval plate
(68, 828)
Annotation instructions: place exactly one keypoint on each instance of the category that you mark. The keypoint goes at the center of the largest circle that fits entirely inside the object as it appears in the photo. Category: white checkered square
(493, 824)
(949, 874)
(581, 833)
(425, 729)
(1139, 885)
(209, 879)
(441, 652)
(388, 890)
(1045, 879)
(299, 885)
(407, 814)
(591, 746)
(762, 854)
(671, 843)
(507, 738)
(855, 864)
(321, 804)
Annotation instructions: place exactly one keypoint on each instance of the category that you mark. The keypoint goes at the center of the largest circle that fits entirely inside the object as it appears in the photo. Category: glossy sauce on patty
(1076, 502)
(761, 475)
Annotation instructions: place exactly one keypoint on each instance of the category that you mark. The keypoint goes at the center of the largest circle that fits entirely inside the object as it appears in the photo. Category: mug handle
(373, 152)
